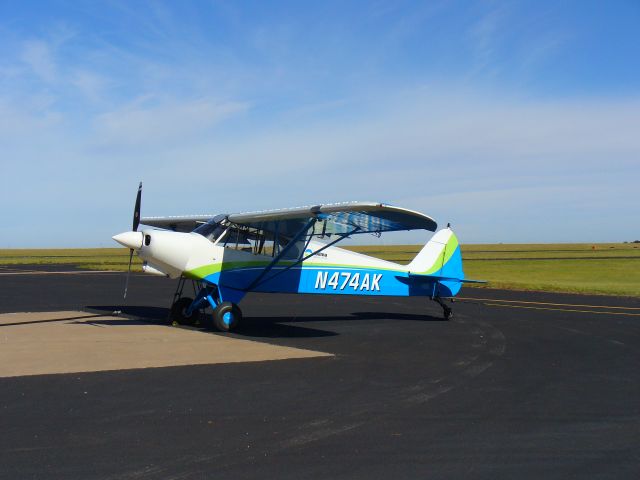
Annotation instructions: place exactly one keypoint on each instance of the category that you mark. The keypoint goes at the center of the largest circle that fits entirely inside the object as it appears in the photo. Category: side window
(253, 240)
(238, 240)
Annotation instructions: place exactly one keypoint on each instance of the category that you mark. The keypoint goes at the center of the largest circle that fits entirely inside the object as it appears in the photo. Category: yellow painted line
(563, 310)
(546, 303)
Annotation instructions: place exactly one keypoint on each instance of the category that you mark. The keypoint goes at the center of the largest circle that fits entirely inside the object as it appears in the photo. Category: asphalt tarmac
(516, 385)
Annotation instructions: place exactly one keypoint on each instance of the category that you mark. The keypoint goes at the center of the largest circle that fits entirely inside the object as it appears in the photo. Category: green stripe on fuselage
(204, 271)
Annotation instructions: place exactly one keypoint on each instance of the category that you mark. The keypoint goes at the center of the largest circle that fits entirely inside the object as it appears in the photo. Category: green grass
(405, 253)
(612, 268)
(601, 276)
(605, 268)
(89, 258)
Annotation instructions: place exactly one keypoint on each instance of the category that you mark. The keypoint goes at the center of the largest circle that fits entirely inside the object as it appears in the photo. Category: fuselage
(289, 250)
(332, 270)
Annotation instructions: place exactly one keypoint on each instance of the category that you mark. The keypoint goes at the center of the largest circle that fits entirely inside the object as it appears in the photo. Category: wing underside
(347, 218)
(183, 223)
(338, 218)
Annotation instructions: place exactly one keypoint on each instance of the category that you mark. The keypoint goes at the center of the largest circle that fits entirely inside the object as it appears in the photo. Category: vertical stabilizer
(440, 257)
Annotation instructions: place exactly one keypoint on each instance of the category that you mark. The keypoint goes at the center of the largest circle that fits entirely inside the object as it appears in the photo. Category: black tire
(226, 316)
(179, 312)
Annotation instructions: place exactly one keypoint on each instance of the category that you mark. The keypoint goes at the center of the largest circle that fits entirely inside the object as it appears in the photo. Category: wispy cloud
(232, 108)
(148, 123)
(460, 158)
(484, 34)
(38, 56)
(19, 122)
(92, 85)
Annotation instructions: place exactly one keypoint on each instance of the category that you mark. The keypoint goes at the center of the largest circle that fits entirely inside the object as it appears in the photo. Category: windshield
(213, 228)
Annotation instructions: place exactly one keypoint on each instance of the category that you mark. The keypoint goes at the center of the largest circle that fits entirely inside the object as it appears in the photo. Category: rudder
(440, 257)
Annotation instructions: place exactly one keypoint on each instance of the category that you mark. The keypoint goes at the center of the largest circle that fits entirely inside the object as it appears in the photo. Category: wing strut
(303, 231)
(342, 236)
(257, 281)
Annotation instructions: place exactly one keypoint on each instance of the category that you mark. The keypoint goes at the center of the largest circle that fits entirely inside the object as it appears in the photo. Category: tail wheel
(179, 312)
(226, 316)
(446, 310)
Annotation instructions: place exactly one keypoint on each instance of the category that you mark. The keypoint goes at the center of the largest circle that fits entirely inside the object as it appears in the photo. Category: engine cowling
(146, 268)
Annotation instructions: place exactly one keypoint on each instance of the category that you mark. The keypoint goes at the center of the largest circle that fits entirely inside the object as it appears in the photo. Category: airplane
(290, 250)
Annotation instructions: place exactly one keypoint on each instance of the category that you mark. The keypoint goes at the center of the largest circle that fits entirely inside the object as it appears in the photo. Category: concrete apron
(71, 341)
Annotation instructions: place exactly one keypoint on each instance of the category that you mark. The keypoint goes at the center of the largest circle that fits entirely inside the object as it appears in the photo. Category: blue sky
(514, 121)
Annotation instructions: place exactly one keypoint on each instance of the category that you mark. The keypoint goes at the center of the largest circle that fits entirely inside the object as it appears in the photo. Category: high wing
(182, 223)
(347, 218)
(337, 218)
(342, 220)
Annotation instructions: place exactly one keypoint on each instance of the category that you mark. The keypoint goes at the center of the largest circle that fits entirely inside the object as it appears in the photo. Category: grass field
(605, 268)
(612, 269)
(91, 258)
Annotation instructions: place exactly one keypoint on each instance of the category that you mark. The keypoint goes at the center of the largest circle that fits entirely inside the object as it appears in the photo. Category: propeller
(136, 210)
(136, 223)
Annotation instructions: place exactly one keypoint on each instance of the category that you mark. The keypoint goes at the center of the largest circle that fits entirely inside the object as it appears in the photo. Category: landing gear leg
(448, 313)
(180, 312)
(186, 310)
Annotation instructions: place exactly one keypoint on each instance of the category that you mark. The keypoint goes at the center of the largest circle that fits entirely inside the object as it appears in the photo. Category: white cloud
(152, 126)
(493, 164)
(455, 131)
(19, 123)
(483, 33)
(90, 84)
(38, 55)
(500, 169)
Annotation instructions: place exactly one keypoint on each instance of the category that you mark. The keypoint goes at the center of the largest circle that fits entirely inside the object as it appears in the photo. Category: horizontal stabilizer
(439, 278)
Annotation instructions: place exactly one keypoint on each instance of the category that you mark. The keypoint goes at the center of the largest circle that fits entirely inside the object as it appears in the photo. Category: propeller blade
(126, 283)
(136, 210)
(136, 223)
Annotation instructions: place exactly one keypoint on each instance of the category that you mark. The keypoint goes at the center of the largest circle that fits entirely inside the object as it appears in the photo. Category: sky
(514, 121)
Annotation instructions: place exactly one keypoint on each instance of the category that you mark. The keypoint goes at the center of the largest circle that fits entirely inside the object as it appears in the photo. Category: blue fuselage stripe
(332, 280)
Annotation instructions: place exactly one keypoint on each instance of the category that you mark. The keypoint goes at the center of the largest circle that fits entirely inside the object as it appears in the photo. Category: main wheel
(226, 316)
(179, 312)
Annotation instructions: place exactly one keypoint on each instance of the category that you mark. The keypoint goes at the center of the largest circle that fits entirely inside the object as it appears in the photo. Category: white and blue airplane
(290, 250)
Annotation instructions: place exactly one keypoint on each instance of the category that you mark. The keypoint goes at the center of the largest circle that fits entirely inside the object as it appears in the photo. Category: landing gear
(448, 313)
(226, 316)
(186, 311)
(180, 312)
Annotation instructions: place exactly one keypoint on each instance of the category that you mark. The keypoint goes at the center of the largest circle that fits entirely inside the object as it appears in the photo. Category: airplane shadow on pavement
(268, 327)
(285, 326)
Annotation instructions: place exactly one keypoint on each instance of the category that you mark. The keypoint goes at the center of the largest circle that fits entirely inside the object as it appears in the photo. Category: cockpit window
(238, 240)
(246, 239)
(213, 228)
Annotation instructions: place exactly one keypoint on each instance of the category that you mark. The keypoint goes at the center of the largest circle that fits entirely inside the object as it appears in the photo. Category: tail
(440, 257)
(439, 263)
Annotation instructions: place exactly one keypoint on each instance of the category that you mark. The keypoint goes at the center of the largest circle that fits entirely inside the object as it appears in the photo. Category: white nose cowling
(129, 239)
